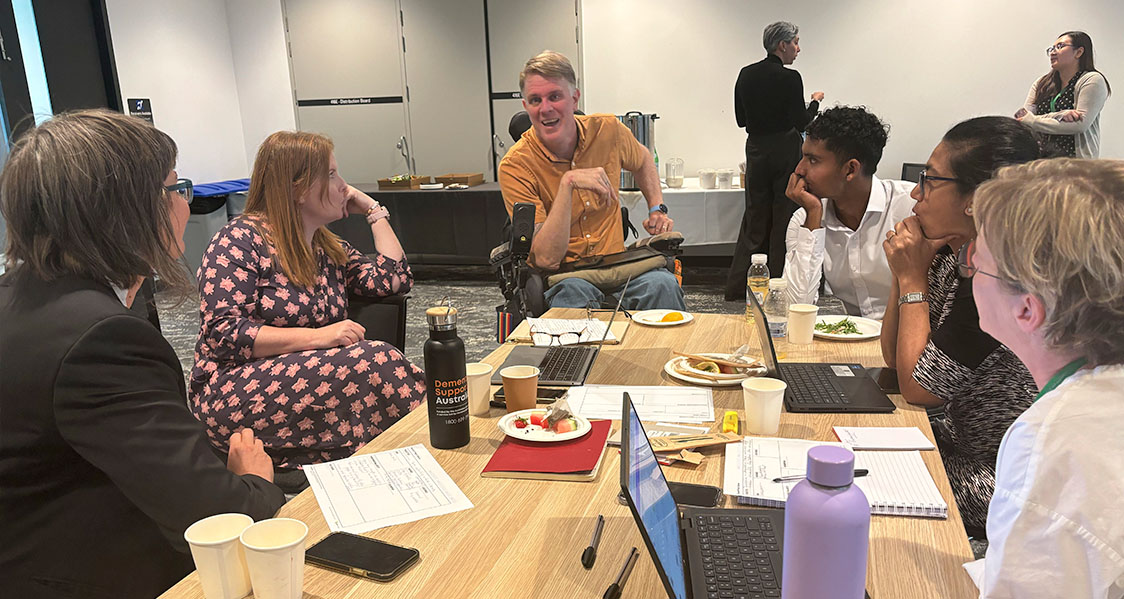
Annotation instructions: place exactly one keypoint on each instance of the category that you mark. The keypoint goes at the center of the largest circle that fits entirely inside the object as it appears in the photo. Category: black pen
(784, 479)
(590, 554)
(614, 590)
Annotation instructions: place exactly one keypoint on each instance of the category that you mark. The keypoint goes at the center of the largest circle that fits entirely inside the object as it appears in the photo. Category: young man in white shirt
(845, 212)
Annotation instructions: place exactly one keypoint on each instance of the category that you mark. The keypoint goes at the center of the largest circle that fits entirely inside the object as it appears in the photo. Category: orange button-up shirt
(532, 173)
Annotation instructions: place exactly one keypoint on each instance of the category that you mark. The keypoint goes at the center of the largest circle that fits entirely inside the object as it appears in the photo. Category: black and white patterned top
(984, 385)
(1052, 145)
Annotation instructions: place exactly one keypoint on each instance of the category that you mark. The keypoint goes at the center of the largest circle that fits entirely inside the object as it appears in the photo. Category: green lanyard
(1060, 376)
(1055, 101)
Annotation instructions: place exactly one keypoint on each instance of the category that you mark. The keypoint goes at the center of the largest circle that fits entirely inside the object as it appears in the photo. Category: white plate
(432, 186)
(652, 318)
(669, 368)
(538, 434)
(868, 329)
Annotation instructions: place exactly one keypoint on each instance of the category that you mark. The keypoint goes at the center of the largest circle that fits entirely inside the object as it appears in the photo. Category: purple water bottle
(826, 530)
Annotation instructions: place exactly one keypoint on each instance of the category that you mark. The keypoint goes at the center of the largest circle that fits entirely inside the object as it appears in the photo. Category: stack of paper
(898, 483)
(884, 437)
(653, 404)
(369, 491)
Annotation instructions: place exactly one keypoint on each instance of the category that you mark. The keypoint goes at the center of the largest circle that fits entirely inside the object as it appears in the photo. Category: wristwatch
(913, 297)
(661, 208)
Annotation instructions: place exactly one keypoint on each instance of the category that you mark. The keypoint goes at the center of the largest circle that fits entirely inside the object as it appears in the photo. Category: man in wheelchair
(568, 167)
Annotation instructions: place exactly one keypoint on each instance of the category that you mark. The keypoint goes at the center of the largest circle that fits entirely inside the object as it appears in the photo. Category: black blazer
(102, 466)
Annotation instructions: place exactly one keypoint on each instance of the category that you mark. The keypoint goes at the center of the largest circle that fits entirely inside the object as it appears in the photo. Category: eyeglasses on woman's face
(966, 263)
(924, 178)
(1058, 47)
(182, 187)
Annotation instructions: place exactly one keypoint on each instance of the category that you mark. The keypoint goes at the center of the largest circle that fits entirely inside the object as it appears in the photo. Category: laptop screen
(653, 504)
(768, 354)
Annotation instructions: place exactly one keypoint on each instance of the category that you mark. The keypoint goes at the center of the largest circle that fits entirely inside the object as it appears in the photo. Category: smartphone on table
(361, 556)
(544, 395)
(887, 379)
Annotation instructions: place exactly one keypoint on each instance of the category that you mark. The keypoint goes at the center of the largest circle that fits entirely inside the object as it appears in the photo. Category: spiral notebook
(898, 483)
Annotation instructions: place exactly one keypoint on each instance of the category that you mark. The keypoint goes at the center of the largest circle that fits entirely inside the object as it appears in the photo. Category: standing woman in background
(769, 103)
(1064, 106)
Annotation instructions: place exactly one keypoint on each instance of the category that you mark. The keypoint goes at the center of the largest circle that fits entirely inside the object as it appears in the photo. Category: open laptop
(814, 387)
(705, 552)
(560, 365)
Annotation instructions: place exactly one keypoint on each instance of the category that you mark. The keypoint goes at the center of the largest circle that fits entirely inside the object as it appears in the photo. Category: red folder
(576, 459)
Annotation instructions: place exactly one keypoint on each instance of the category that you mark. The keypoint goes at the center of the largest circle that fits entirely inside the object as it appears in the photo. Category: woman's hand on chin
(909, 253)
(357, 201)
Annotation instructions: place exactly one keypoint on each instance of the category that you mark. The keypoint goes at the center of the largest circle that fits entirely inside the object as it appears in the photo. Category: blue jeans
(654, 289)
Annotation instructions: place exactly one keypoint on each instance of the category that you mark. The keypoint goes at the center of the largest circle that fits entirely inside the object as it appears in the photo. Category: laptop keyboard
(562, 363)
(812, 384)
(738, 553)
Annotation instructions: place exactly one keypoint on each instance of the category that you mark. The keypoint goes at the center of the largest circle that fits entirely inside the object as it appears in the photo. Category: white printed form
(752, 464)
(653, 403)
(370, 491)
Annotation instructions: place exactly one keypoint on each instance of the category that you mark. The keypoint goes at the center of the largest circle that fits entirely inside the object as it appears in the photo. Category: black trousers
(769, 160)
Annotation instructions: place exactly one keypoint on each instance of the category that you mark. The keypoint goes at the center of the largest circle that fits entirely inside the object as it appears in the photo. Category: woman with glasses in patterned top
(931, 332)
(1063, 106)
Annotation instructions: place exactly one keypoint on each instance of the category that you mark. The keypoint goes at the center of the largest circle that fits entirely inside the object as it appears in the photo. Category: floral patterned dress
(309, 406)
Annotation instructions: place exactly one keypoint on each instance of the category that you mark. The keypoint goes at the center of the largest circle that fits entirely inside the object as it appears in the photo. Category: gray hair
(781, 31)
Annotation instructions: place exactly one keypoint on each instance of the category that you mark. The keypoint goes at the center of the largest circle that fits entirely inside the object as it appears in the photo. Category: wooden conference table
(524, 538)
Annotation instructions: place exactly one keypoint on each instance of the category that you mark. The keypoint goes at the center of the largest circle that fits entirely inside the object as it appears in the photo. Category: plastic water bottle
(826, 530)
(776, 308)
(757, 283)
(447, 383)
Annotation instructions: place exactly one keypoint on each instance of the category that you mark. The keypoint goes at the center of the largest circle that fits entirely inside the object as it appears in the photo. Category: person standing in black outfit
(769, 103)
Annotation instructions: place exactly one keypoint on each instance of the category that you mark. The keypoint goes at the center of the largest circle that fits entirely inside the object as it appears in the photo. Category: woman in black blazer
(102, 467)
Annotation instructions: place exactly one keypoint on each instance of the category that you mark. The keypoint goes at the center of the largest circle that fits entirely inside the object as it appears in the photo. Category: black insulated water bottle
(446, 380)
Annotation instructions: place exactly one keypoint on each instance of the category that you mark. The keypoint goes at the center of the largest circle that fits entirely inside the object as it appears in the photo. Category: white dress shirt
(1056, 521)
(853, 261)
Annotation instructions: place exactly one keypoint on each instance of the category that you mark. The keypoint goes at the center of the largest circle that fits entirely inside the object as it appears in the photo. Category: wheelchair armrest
(665, 243)
(500, 254)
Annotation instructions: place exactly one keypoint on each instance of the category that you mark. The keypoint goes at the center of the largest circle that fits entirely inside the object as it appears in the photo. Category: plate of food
(533, 425)
(701, 369)
(847, 328)
(662, 318)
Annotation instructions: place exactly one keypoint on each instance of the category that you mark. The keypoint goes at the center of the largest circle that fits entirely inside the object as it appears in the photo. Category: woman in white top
(1064, 105)
(1052, 290)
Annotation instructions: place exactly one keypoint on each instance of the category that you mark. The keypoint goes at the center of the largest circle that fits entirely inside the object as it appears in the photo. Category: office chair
(911, 170)
(384, 318)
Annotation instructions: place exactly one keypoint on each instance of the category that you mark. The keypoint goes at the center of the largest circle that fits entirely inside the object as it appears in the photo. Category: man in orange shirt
(569, 166)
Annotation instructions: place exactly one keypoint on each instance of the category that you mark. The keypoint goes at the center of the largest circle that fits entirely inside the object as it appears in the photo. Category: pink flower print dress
(309, 406)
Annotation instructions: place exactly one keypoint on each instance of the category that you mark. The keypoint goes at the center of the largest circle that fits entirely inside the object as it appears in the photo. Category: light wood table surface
(524, 538)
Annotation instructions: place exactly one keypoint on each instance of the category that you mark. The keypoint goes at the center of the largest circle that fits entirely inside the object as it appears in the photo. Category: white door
(348, 78)
(518, 30)
(447, 86)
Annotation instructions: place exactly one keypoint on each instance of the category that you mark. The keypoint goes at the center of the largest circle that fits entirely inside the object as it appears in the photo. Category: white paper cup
(801, 323)
(218, 555)
(275, 556)
(479, 384)
(763, 398)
